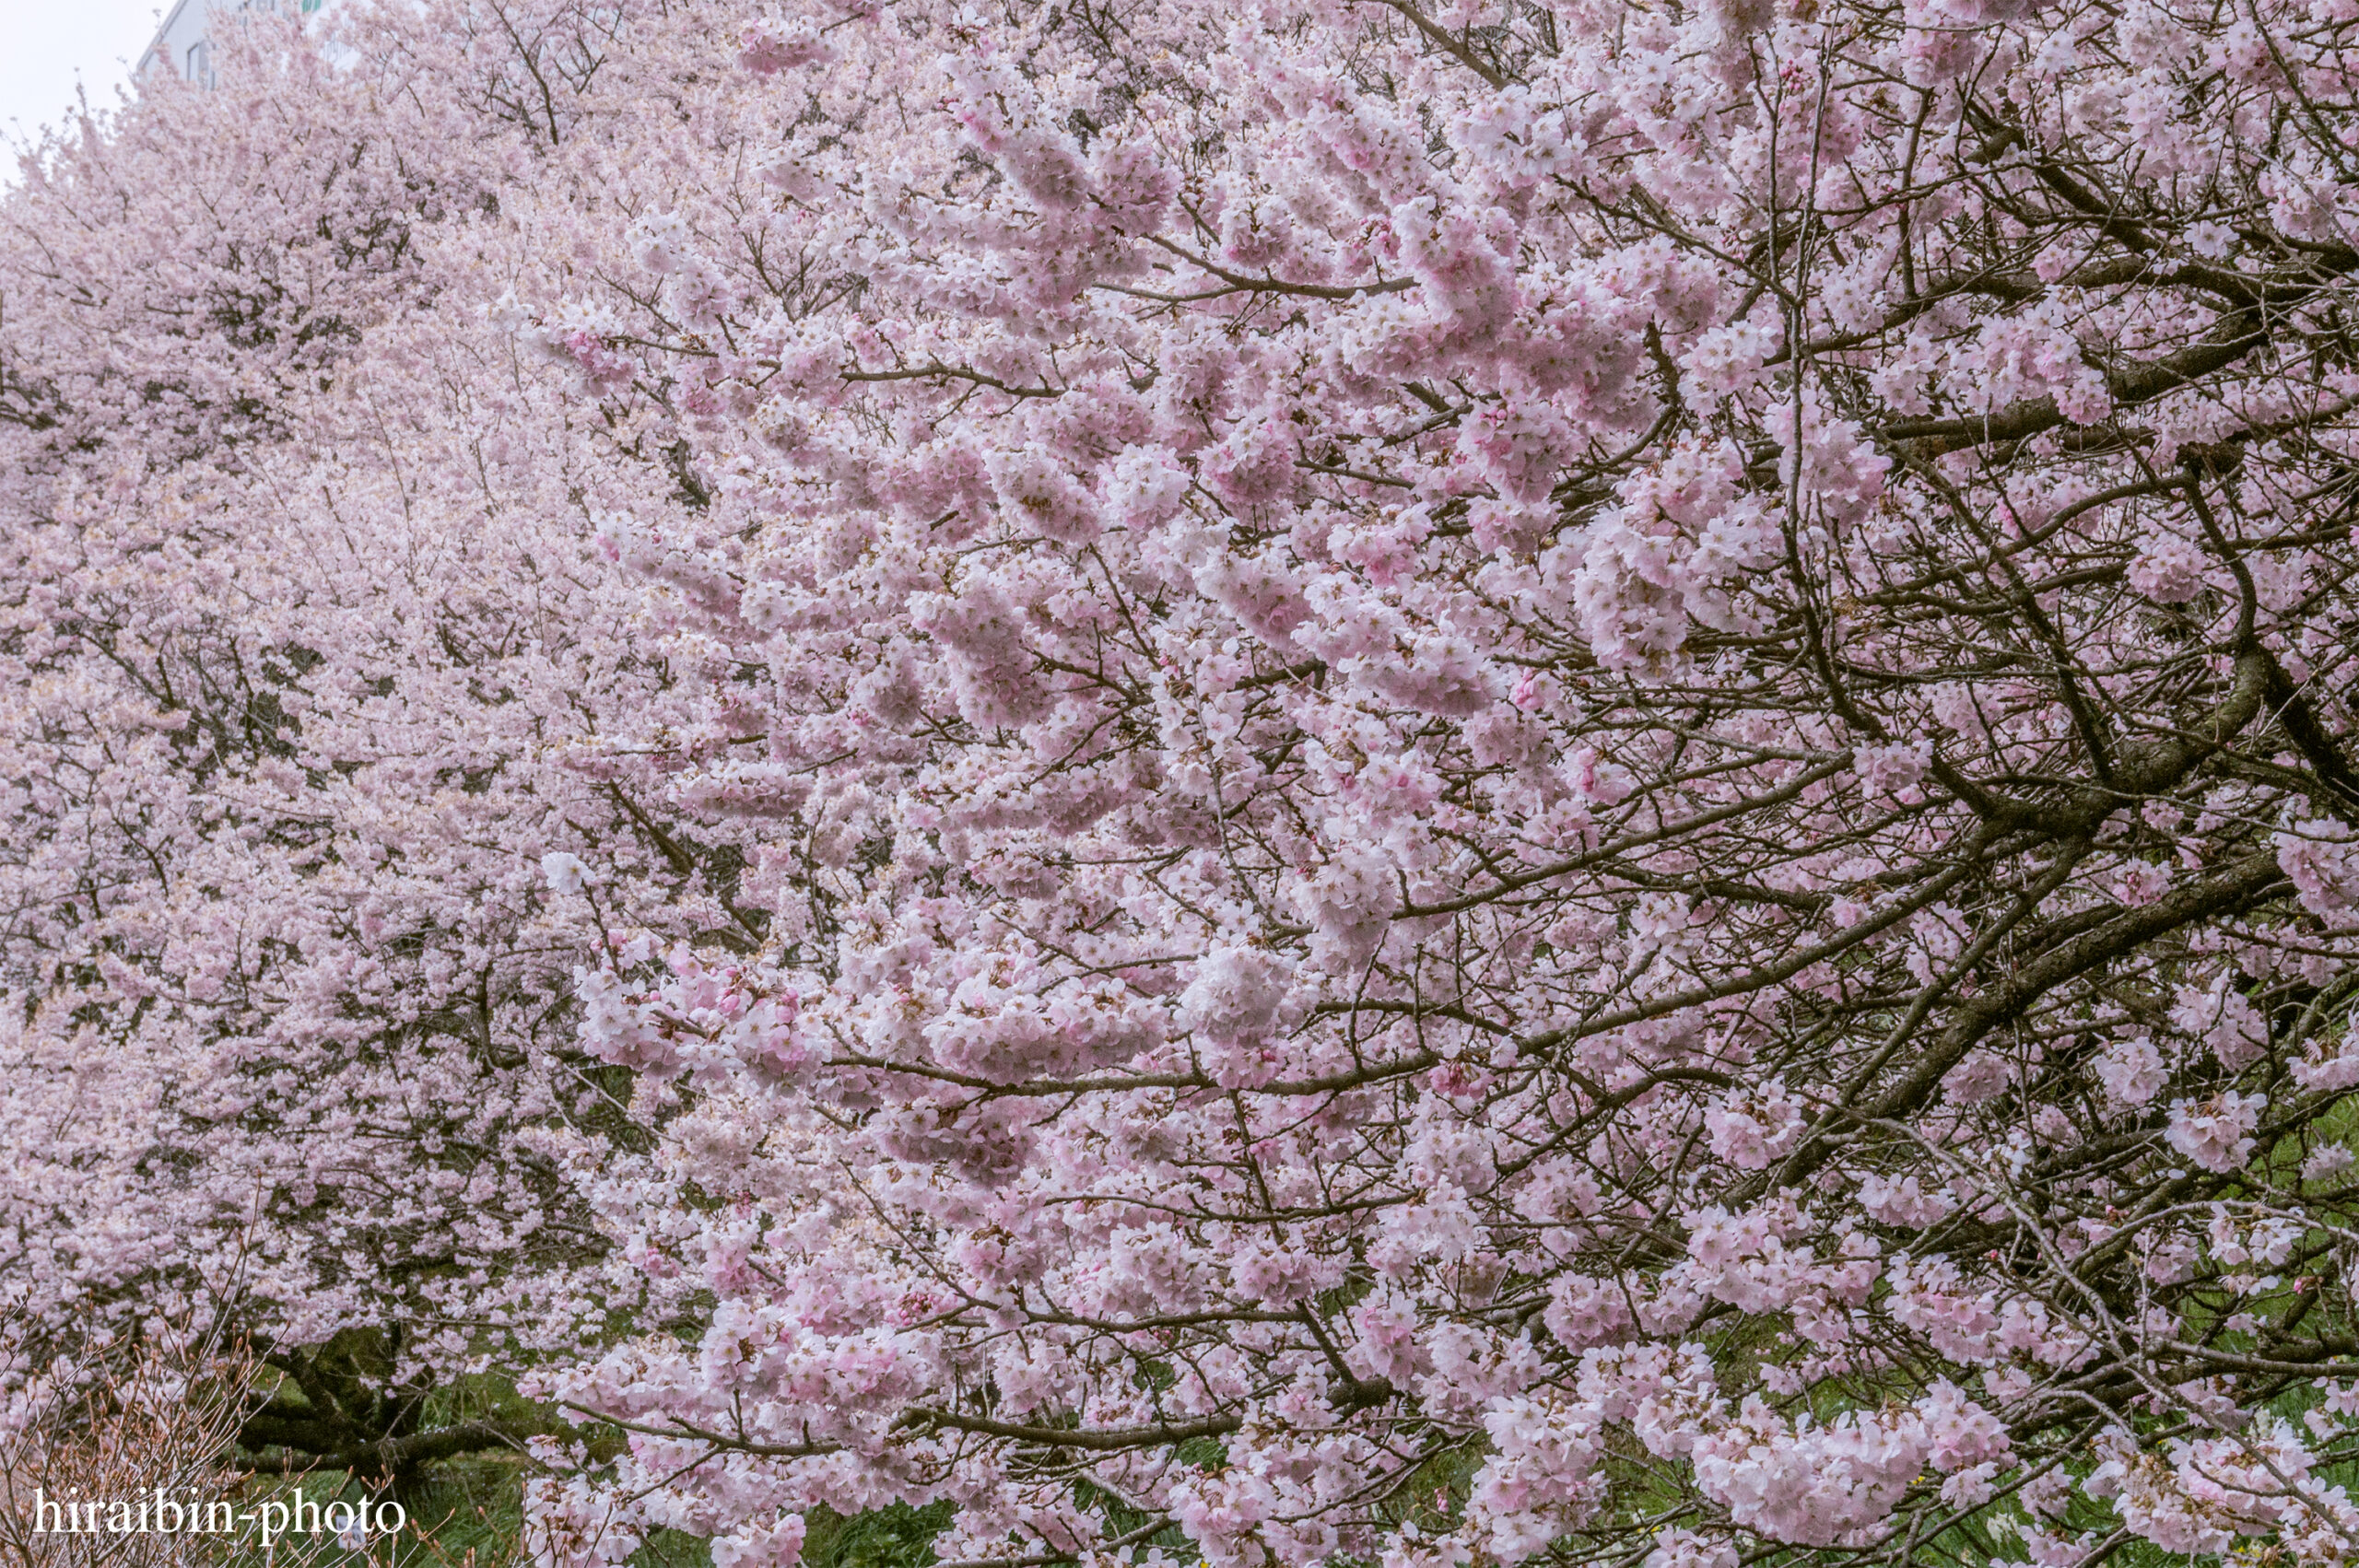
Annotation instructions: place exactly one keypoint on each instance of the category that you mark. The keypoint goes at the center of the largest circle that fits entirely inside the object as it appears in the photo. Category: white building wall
(184, 44)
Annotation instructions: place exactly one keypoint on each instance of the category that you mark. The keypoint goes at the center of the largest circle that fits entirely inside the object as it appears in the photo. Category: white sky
(46, 46)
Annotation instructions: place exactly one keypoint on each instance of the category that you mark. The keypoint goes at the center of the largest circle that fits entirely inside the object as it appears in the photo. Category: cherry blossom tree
(304, 618)
(1538, 780)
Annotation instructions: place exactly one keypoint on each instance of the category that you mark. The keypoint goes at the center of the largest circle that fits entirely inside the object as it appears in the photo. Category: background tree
(304, 617)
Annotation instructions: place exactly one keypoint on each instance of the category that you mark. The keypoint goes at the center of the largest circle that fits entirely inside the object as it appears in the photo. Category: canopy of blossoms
(300, 597)
(1558, 781)
(1295, 783)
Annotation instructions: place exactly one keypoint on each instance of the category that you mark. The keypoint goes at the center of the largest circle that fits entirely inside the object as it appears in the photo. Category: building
(184, 44)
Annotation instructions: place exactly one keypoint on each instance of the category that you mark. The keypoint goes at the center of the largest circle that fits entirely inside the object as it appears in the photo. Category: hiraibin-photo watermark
(184, 1511)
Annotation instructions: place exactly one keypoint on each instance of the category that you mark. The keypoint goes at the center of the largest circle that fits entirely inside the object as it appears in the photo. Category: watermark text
(184, 1513)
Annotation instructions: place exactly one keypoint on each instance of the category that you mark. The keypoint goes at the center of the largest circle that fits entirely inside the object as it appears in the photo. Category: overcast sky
(47, 45)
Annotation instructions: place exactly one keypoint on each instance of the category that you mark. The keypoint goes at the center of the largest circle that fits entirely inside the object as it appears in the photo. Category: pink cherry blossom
(2215, 1133)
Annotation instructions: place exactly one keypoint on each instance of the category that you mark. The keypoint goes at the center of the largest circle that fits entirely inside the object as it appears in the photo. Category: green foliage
(896, 1536)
